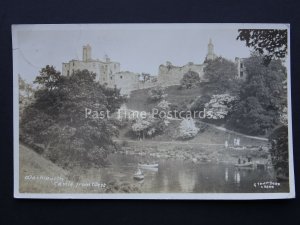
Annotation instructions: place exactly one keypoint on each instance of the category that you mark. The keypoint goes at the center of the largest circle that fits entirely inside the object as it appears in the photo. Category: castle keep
(109, 73)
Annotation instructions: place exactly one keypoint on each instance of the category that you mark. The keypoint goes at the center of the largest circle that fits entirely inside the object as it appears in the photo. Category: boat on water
(244, 165)
(139, 175)
(282, 178)
(148, 165)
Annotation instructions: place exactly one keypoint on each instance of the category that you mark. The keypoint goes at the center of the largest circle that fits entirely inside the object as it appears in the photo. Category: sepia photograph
(152, 111)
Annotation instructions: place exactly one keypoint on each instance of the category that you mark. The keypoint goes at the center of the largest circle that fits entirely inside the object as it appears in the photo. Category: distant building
(241, 74)
(210, 51)
(107, 72)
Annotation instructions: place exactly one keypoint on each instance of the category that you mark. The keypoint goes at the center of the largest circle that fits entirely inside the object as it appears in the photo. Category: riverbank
(39, 175)
(195, 152)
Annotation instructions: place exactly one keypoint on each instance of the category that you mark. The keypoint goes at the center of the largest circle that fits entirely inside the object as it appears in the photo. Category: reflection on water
(176, 176)
(226, 174)
(237, 177)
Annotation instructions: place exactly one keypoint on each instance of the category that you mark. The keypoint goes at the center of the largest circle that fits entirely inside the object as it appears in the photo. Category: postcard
(152, 111)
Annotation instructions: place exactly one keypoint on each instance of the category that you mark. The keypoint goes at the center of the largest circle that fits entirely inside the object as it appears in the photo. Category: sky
(138, 49)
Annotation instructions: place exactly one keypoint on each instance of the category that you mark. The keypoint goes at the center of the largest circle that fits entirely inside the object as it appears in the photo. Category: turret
(86, 53)
(210, 51)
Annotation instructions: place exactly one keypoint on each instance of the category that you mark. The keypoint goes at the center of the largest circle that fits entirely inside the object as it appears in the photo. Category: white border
(170, 196)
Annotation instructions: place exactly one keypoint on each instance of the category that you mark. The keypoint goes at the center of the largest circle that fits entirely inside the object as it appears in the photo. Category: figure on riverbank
(226, 144)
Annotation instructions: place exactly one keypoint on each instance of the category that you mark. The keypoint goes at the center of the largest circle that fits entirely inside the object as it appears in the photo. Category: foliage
(181, 107)
(270, 43)
(284, 116)
(57, 118)
(262, 97)
(279, 150)
(26, 94)
(163, 105)
(221, 74)
(187, 129)
(190, 80)
(156, 93)
(251, 118)
(219, 106)
(199, 103)
(148, 127)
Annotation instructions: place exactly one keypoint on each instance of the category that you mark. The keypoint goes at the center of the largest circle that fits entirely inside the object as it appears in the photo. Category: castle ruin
(108, 72)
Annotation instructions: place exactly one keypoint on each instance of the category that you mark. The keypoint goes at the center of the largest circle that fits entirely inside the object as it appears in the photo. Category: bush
(190, 80)
(187, 129)
(156, 93)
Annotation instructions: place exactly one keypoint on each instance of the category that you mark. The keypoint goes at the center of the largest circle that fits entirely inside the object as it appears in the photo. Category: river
(179, 176)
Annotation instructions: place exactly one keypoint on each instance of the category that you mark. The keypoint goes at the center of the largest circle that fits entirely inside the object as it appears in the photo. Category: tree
(26, 94)
(48, 77)
(199, 103)
(279, 150)
(190, 80)
(156, 93)
(262, 97)
(188, 129)
(271, 43)
(148, 127)
(219, 106)
(221, 74)
(57, 118)
(251, 118)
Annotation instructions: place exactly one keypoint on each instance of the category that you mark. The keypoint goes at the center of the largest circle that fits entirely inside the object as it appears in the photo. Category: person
(238, 141)
(226, 144)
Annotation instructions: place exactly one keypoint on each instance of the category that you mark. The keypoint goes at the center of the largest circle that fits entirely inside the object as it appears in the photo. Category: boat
(138, 175)
(246, 165)
(282, 178)
(148, 165)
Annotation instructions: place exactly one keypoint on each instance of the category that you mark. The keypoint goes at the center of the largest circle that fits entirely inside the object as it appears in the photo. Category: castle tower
(210, 51)
(86, 53)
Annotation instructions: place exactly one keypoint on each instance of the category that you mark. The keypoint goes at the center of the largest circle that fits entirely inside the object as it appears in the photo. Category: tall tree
(190, 80)
(58, 118)
(280, 151)
(271, 43)
(262, 97)
(221, 73)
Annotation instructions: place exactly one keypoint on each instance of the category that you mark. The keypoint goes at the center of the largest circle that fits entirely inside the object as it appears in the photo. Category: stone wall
(171, 75)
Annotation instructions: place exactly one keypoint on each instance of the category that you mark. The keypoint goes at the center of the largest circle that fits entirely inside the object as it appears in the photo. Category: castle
(109, 73)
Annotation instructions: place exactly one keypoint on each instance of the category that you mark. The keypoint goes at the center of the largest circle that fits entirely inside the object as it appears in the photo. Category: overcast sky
(141, 49)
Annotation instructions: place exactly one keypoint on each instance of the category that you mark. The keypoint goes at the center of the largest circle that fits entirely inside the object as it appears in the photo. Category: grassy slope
(139, 99)
(33, 164)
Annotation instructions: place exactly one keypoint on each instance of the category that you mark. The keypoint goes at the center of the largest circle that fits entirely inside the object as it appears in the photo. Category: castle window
(73, 63)
(68, 73)
(241, 74)
(121, 77)
(242, 65)
(111, 78)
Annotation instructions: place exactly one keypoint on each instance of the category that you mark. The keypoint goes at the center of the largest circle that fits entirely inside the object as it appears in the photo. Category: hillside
(33, 164)
(211, 134)
(139, 98)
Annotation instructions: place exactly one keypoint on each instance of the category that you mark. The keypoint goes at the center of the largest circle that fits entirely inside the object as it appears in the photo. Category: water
(178, 176)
